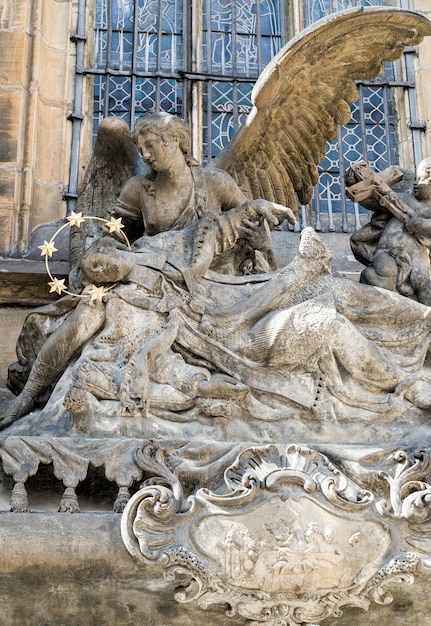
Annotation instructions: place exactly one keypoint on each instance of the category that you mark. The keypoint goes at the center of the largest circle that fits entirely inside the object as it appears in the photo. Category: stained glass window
(200, 59)
(314, 10)
(139, 52)
(143, 59)
(239, 38)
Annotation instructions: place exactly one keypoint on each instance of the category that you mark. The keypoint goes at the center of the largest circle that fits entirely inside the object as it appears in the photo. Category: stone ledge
(24, 281)
(60, 569)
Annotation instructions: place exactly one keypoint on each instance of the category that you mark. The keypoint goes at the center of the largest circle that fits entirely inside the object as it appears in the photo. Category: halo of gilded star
(48, 248)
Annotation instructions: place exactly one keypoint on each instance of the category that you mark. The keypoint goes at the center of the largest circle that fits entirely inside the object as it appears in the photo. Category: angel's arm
(222, 188)
(128, 207)
(230, 196)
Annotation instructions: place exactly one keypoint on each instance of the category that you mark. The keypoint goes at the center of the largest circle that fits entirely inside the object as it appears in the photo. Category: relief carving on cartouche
(291, 539)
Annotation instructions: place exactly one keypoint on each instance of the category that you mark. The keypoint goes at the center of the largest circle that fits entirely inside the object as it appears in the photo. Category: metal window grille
(239, 40)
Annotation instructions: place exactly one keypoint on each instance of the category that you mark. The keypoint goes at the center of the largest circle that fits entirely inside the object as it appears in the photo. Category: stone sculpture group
(183, 333)
(184, 329)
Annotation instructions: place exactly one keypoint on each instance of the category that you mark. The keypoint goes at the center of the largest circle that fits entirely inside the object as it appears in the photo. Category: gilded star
(115, 225)
(96, 293)
(57, 285)
(47, 248)
(75, 219)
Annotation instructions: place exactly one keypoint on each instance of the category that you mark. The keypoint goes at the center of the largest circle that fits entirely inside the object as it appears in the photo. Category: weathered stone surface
(14, 48)
(228, 518)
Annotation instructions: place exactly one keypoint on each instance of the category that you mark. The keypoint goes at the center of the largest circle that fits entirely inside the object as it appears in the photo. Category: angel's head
(156, 136)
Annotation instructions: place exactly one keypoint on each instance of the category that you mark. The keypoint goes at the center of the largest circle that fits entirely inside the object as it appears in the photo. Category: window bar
(304, 216)
(357, 216)
(386, 93)
(318, 225)
(159, 53)
(159, 39)
(209, 118)
(210, 67)
(362, 123)
(194, 87)
(331, 227)
(259, 37)
(316, 194)
(234, 37)
(344, 223)
(235, 113)
(71, 195)
(108, 57)
(209, 37)
(135, 39)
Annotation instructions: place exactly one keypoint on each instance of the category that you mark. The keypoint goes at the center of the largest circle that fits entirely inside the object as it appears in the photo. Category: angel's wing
(304, 94)
(115, 159)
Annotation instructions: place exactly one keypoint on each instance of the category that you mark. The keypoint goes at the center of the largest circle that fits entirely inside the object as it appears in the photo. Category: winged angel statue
(182, 323)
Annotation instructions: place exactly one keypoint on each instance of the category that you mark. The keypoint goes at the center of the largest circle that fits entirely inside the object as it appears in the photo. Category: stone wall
(423, 78)
(36, 91)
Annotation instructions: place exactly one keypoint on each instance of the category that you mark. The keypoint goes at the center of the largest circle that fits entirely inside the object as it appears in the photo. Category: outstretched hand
(257, 229)
(273, 213)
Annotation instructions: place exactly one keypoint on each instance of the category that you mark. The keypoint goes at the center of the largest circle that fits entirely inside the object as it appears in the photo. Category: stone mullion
(196, 86)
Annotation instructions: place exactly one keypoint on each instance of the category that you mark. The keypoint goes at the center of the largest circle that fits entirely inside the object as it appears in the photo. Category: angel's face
(157, 151)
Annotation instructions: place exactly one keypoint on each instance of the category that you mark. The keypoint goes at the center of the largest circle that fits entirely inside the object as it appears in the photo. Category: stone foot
(12, 410)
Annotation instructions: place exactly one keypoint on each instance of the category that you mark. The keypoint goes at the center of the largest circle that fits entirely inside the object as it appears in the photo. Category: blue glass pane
(370, 134)
(146, 95)
(158, 43)
(148, 16)
(314, 10)
(249, 30)
(170, 96)
(146, 54)
(377, 141)
(352, 144)
(239, 38)
(329, 190)
(373, 103)
(119, 94)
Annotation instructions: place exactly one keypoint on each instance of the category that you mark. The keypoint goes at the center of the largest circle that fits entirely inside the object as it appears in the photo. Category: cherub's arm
(419, 227)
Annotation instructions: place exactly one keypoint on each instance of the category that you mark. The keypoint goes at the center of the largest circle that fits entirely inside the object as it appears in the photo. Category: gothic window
(239, 39)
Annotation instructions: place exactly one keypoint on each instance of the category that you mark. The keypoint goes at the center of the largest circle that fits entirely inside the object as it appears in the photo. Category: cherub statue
(395, 244)
(196, 307)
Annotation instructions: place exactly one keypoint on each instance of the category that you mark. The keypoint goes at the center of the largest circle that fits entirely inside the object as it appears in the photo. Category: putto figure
(395, 244)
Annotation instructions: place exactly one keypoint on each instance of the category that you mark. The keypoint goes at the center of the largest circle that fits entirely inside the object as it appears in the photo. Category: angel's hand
(274, 213)
(258, 234)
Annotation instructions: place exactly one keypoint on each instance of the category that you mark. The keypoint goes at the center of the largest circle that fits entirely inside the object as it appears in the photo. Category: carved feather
(305, 93)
